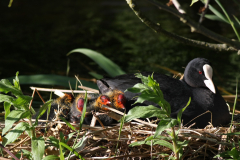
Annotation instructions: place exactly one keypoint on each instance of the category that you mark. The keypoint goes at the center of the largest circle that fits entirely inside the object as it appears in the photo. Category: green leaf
(157, 138)
(51, 157)
(95, 75)
(218, 14)
(231, 134)
(13, 117)
(230, 21)
(193, 1)
(164, 143)
(70, 149)
(139, 87)
(165, 124)
(69, 125)
(234, 154)
(38, 148)
(179, 115)
(54, 80)
(6, 86)
(147, 96)
(16, 82)
(84, 111)
(6, 98)
(15, 133)
(138, 143)
(43, 109)
(80, 143)
(215, 18)
(61, 152)
(53, 141)
(111, 68)
(24, 153)
(22, 102)
(144, 79)
(236, 20)
(7, 107)
(144, 112)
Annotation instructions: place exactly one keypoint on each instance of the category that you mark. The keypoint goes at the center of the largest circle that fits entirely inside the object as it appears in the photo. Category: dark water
(37, 35)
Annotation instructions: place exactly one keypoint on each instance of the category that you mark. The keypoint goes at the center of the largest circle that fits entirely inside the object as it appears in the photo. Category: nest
(109, 142)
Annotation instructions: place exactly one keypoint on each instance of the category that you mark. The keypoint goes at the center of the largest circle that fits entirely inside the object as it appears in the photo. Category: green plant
(110, 67)
(220, 17)
(150, 91)
(22, 109)
(234, 152)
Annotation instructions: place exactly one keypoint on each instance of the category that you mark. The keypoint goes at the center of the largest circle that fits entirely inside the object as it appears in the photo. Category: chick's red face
(121, 100)
(105, 100)
(80, 104)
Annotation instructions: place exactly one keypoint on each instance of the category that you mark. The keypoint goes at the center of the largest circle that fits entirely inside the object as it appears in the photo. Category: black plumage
(196, 83)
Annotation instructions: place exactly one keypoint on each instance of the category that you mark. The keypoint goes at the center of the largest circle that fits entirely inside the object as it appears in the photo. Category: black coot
(196, 83)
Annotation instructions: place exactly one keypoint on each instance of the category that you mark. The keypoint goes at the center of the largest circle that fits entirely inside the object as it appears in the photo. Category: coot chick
(197, 83)
(95, 103)
(60, 107)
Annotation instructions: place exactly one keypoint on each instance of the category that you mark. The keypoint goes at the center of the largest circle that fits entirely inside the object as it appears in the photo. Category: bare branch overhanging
(228, 45)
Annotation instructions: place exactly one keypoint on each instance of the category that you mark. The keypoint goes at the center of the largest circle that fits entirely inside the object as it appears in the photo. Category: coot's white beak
(208, 71)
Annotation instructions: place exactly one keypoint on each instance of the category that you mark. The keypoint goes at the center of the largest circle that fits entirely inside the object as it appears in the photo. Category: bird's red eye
(80, 104)
(200, 72)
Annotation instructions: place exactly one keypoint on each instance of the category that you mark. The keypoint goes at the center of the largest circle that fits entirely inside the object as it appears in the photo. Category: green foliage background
(37, 35)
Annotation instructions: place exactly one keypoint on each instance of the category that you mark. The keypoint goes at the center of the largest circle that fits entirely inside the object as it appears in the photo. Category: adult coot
(197, 83)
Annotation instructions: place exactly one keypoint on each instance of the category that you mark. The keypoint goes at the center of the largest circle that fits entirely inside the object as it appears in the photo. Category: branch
(160, 30)
(195, 27)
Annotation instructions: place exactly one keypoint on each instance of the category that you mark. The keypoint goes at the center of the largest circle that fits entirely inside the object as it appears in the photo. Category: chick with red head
(95, 103)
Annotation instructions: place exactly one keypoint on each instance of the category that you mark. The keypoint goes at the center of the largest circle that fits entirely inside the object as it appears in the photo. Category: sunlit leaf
(51, 157)
(16, 82)
(15, 133)
(42, 110)
(179, 115)
(111, 68)
(139, 87)
(83, 111)
(164, 143)
(6, 86)
(71, 149)
(38, 148)
(144, 112)
(80, 143)
(68, 124)
(193, 1)
(12, 117)
(6, 108)
(138, 143)
(61, 152)
(165, 124)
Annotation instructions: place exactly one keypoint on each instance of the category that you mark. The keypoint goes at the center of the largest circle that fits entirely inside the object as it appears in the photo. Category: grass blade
(235, 102)
(230, 21)
(111, 68)
(218, 14)
(45, 79)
